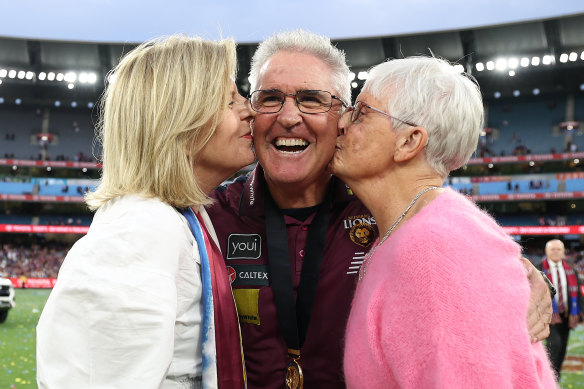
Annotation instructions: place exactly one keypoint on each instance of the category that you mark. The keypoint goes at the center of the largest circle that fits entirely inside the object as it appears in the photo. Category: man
(292, 235)
(567, 303)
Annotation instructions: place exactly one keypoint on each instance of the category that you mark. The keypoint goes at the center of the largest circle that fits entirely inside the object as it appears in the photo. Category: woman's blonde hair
(163, 105)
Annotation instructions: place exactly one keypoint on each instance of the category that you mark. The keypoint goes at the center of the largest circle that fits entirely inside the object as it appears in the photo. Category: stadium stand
(519, 174)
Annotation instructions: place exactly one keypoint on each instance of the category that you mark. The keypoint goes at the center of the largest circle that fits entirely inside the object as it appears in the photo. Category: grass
(572, 369)
(18, 340)
(18, 343)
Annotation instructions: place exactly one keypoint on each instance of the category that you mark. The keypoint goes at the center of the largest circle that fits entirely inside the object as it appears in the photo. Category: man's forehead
(291, 71)
(555, 245)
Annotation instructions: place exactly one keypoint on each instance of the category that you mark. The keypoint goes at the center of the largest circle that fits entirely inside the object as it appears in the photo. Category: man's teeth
(291, 145)
(291, 142)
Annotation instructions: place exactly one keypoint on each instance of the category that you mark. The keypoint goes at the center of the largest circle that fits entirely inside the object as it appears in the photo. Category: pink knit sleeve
(452, 313)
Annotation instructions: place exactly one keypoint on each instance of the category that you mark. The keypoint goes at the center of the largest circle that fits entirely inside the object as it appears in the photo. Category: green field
(18, 340)
(17, 345)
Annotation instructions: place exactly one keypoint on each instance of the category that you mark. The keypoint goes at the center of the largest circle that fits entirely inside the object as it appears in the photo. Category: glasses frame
(356, 113)
(295, 95)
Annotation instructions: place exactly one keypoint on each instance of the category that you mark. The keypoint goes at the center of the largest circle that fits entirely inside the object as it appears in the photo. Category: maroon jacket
(238, 218)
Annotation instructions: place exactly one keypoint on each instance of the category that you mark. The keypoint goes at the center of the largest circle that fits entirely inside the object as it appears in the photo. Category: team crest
(362, 234)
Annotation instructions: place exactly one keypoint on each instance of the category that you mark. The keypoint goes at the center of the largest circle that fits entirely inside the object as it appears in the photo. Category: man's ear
(410, 143)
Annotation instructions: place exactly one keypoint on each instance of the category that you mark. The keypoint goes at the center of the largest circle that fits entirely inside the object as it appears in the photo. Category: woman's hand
(539, 311)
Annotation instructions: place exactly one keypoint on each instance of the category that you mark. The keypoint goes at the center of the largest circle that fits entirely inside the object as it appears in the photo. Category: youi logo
(244, 246)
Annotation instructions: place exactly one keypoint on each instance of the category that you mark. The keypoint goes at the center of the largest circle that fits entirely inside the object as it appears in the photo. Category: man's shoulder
(228, 195)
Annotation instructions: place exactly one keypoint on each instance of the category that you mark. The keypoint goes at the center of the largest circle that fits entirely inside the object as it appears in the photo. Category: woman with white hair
(442, 296)
(144, 300)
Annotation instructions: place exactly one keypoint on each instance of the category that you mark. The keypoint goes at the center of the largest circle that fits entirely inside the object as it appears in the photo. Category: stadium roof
(468, 46)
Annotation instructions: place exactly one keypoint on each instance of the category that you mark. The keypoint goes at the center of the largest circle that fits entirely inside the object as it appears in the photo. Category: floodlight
(70, 86)
(42, 76)
(563, 58)
(513, 63)
(21, 74)
(51, 76)
(29, 75)
(535, 61)
(351, 76)
(18, 101)
(516, 93)
(490, 65)
(573, 56)
(547, 59)
(501, 64)
(60, 77)
(362, 75)
(480, 66)
(4, 72)
(91, 78)
(511, 73)
(524, 62)
(70, 77)
(12, 73)
(497, 95)
(536, 91)
(354, 85)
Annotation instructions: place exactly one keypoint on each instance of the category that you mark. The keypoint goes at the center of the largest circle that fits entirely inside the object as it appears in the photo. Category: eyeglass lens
(308, 101)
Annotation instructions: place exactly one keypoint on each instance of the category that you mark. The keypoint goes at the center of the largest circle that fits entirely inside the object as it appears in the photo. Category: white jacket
(125, 311)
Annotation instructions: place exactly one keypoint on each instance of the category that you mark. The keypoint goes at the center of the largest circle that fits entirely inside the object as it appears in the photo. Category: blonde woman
(143, 300)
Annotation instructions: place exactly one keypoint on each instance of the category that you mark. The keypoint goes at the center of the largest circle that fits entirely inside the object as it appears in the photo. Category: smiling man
(292, 235)
(302, 218)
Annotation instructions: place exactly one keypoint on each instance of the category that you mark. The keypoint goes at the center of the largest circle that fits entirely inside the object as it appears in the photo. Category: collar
(251, 202)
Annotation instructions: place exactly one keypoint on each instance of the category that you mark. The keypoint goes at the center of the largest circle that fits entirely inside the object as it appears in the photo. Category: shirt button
(301, 253)
(304, 228)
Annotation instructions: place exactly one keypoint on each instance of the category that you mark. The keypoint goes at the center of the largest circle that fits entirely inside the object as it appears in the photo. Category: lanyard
(294, 317)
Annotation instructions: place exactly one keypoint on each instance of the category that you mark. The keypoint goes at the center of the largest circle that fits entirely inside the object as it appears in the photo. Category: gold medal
(294, 377)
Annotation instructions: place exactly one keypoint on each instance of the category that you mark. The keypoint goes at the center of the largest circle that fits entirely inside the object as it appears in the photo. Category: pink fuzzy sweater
(444, 305)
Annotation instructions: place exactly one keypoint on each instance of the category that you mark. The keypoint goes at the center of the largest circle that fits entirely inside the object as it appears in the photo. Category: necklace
(363, 269)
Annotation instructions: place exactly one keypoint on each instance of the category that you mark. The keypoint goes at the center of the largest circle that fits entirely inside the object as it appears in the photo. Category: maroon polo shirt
(238, 218)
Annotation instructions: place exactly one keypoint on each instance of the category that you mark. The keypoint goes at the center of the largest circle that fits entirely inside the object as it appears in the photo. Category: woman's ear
(410, 142)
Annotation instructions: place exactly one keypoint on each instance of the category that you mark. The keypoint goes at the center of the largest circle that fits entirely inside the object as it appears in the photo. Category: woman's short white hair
(305, 42)
(431, 93)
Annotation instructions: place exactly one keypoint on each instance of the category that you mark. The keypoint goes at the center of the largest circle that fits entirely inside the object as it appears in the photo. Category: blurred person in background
(442, 296)
(293, 234)
(567, 302)
(143, 300)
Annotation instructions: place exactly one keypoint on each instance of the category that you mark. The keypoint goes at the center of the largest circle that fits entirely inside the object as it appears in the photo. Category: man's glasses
(360, 109)
(307, 101)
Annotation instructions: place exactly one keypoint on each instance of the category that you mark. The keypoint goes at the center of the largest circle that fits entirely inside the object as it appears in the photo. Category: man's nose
(290, 114)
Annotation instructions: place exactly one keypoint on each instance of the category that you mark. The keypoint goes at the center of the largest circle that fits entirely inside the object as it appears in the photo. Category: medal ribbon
(294, 317)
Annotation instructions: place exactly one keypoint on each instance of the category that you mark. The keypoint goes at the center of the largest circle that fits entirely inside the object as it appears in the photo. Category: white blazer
(126, 309)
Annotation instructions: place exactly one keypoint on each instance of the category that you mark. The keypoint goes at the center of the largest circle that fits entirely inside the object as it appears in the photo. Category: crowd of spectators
(35, 260)
(79, 157)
